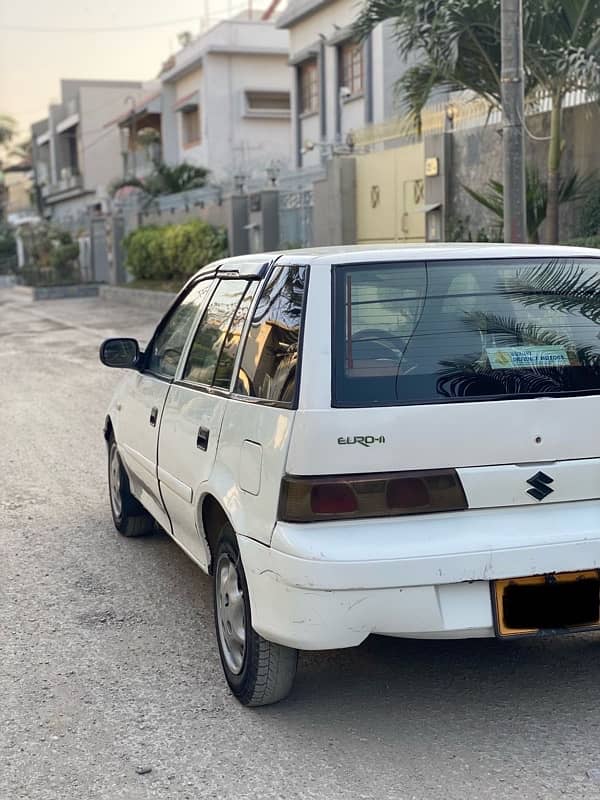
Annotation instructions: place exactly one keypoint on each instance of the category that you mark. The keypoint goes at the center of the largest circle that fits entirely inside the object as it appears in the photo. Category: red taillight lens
(364, 496)
(406, 493)
(332, 498)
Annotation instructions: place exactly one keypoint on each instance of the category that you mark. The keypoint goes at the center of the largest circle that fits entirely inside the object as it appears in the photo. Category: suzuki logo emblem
(540, 488)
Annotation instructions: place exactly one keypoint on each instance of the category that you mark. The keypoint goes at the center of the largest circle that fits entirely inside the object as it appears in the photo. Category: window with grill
(267, 104)
(352, 67)
(309, 87)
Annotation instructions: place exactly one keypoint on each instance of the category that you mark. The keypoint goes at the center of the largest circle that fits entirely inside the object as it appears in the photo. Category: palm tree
(166, 180)
(457, 44)
(7, 129)
(571, 188)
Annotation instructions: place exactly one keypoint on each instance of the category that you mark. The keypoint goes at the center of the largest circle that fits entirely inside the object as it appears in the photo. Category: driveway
(110, 681)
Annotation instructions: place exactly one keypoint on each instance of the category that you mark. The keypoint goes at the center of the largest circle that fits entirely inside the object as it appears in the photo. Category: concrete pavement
(110, 681)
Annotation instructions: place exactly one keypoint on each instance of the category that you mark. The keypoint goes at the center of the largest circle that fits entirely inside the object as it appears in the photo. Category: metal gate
(100, 248)
(296, 218)
(390, 195)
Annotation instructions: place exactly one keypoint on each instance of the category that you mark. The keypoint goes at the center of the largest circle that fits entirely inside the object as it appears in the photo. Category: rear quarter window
(269, 364)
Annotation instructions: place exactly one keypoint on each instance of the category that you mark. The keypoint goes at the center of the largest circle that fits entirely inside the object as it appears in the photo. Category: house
(226, 100)
(338, 85)
(140, 132)
(75, 157)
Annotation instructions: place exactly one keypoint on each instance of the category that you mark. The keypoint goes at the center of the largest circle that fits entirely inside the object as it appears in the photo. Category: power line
(35, 29)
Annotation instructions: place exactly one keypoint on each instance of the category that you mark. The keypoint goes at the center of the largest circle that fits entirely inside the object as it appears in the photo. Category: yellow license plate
(558, 602)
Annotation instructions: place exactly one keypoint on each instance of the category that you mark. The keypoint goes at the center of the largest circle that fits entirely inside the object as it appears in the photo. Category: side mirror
(121, 353)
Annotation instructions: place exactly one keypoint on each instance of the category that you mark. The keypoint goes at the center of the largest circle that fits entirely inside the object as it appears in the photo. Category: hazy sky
(32, 62)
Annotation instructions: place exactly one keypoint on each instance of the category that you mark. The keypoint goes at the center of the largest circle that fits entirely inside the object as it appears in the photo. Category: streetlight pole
(515, 212)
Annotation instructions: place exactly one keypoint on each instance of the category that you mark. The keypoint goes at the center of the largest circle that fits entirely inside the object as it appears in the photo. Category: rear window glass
(462, 330)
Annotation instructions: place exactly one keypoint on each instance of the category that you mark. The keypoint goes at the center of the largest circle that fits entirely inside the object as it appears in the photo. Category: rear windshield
(465, 330)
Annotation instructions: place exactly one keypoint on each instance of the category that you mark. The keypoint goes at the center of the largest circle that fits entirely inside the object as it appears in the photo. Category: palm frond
(507, 331)
(558, 287)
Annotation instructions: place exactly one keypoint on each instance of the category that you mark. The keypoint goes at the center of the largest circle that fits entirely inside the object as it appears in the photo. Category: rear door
(258, 421)
(191, 422)
(141, 404)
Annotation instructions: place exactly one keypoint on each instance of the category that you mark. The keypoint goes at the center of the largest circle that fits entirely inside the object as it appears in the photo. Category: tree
(7, 129)
(571, 188)
(22, 150)
(167, 180)
(457, 46)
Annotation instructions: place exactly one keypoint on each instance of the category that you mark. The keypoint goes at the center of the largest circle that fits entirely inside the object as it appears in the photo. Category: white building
(226, 100)
(338, 85)
(74, 156)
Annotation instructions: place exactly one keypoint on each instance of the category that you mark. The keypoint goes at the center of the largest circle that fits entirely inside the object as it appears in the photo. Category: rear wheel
(129, 516)
(257, 671)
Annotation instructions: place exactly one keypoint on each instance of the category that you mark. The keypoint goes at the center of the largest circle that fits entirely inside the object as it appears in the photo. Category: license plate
(559, 602)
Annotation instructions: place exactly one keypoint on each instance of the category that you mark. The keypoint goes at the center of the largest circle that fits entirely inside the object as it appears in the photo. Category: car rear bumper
(330, 585)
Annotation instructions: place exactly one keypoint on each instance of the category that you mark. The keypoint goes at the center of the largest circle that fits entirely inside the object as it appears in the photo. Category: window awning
(147, 105)
(187, 103)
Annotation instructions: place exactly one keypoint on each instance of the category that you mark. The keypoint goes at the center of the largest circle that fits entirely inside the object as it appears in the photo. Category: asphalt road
(109, 666)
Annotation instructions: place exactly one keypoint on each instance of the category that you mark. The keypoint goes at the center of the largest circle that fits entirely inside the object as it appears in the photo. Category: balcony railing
(67, 183)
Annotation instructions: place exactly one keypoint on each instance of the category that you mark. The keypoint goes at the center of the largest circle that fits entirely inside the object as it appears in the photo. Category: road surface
(110, 681)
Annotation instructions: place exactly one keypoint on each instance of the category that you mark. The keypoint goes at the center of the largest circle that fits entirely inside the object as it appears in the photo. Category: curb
(58, 292)
(143, 298)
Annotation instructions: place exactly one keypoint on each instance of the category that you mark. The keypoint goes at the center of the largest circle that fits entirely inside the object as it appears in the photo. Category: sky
(37, 50)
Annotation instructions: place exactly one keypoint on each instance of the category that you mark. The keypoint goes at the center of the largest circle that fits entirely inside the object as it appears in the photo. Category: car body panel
(329, 584)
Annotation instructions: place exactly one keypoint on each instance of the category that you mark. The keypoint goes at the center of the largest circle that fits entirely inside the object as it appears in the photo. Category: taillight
(362, 496)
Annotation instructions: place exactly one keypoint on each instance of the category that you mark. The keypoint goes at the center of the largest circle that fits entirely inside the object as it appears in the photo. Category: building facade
(338, 85)
(225, 101)
(75, 157)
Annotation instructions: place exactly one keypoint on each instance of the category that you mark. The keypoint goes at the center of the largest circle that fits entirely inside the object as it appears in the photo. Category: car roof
(376, 253)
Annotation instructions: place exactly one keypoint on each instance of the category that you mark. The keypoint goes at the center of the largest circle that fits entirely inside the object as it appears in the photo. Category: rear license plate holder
(550, 604)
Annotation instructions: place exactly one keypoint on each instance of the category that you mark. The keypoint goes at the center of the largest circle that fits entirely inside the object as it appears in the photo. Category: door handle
(153, 416)
(202, 438)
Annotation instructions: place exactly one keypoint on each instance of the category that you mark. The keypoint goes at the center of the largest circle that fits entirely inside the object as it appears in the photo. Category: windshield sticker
(529, 357)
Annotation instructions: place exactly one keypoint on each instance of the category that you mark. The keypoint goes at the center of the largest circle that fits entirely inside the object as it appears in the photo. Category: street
(110, 678)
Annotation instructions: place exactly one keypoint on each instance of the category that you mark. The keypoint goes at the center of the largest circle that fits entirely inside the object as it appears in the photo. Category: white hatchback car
(394, 440)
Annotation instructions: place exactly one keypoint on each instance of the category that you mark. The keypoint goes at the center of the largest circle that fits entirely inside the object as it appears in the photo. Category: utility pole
(515, 222)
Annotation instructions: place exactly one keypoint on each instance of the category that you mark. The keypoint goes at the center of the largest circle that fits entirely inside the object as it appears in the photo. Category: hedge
(585, 241)
(173, 252)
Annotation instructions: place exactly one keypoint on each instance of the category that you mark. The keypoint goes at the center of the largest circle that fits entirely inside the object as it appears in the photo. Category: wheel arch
(213, 517)
(108, 428)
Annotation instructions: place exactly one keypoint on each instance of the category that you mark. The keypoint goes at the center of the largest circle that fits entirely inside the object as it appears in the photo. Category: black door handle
(202, 438)
(153, 416)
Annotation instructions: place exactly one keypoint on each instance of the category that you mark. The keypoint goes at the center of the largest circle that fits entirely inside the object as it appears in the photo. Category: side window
(168, 345)
(212, 334)
(224, 369)
(268, 367)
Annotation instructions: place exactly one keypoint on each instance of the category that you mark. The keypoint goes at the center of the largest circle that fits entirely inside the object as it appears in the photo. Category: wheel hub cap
(231, 615)
(115, 481)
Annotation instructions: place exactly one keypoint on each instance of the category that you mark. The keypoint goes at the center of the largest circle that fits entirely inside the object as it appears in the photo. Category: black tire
(267, 670)
(129, 516)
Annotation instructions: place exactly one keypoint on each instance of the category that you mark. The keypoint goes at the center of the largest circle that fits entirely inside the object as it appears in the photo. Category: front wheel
(258, 672)
(130, 518)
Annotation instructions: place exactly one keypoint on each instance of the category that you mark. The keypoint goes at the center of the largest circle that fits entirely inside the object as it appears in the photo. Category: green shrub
(589, 215)
(64, 259)
(585, 241)
(173, 251)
